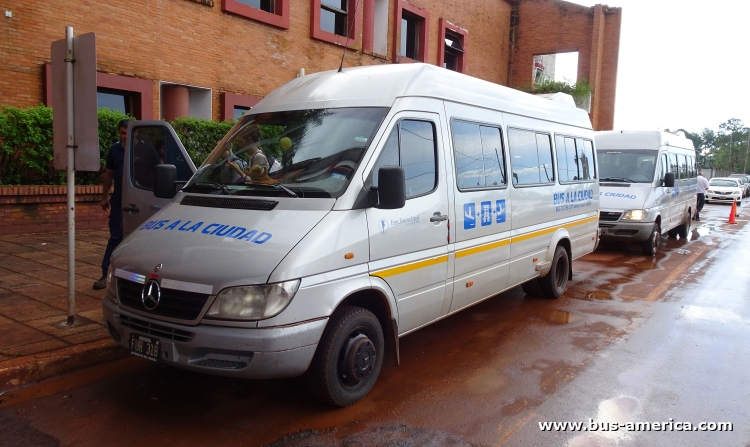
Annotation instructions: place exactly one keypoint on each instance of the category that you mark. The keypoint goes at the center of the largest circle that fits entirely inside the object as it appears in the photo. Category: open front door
(149, 143)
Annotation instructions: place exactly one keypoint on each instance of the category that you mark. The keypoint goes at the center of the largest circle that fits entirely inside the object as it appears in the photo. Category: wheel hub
(360, 358)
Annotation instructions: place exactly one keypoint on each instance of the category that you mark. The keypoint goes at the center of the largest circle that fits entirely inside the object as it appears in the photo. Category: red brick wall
(38, 209)
(188, 43)
(552, 26)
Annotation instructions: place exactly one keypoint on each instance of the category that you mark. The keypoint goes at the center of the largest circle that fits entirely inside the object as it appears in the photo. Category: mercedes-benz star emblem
(151, 294)
(157, 268)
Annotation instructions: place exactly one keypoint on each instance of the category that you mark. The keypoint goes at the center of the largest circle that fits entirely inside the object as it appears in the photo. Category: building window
(334, 21)
(263, 5)
(235, 106)
(179, 101)
(272, 12)
(119, 100)
(411, 33)
(375, 27)
(452, 47)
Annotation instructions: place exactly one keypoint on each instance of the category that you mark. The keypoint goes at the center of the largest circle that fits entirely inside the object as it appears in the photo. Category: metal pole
(744, 169)
(71, 179)
(731, 165)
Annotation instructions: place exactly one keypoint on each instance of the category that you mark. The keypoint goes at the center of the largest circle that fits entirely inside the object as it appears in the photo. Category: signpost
(74, 125)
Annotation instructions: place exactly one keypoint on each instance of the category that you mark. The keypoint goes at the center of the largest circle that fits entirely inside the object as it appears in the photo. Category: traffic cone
(733, 213)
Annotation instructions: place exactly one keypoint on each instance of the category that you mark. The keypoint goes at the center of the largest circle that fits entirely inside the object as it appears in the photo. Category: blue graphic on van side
(470, 216)
(500, 210)
(213, 229)
(619, 195)
(486, 213)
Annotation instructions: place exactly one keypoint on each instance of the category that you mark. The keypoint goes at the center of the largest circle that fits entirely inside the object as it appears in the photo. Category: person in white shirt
(702, 186)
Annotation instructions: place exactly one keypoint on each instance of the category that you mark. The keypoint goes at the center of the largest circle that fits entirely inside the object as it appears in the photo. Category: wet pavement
(634, 339)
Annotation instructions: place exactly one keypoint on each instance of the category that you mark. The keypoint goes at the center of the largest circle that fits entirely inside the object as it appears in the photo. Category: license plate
(144, 347)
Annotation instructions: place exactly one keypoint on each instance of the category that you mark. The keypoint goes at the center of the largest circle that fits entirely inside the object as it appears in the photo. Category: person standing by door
(112, 175)
(702, 186)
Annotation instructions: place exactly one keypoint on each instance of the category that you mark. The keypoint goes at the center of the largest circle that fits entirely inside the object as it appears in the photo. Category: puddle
(485, 381)
(709, 314)
(561, 317)
(598, 295)
(619, 410)
(390, 435)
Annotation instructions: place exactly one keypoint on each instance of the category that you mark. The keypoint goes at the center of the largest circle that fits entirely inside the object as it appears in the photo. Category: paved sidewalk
(35, 341)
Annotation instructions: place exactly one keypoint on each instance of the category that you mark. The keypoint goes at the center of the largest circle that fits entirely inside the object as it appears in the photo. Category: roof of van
(639, 139)
(381, 85)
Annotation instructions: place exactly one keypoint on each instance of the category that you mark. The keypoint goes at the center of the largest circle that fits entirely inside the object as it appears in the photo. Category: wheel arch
(560, 237)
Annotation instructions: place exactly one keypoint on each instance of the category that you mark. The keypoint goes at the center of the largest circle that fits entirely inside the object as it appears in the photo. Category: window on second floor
(411, 33)
(271, 12)
(334, 21)
(452, 47)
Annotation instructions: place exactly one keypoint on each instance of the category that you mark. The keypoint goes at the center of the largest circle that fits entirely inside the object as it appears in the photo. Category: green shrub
(26, 147)
(200, 136)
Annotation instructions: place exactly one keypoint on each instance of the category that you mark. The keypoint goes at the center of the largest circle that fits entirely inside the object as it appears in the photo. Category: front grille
(230, 202)
(154, 329)
(221, 364)
(723, 193)
(609, 216)
(173, 303)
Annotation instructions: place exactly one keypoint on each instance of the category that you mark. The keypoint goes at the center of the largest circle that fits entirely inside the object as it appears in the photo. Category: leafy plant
(579, 89)
(200, 136)
(26, 146)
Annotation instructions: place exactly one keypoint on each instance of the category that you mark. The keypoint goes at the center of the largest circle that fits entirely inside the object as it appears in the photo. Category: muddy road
(633, 340)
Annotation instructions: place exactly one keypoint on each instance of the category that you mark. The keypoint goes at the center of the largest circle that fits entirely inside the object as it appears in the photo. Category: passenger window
(153, 145)
(674, 167)
(478, 154)
(663, 167)
(531, 157)
(411, 145)
(683, 166)
(588, 165)
(691, 166)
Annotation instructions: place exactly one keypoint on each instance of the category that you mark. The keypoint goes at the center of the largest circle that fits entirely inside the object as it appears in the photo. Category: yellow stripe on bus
(410, 267)
(481, 248)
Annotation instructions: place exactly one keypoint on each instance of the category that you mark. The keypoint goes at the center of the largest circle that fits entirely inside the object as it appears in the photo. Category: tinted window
(575, 159)
(478, 154)
(588, 164)
(411, 145)
(674, 167)
(683, 166)
(153, 145)
(531, 157)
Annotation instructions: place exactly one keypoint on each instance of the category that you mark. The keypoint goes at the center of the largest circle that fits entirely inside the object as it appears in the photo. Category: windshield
(632, 166)
(718, 182)
(301, 153)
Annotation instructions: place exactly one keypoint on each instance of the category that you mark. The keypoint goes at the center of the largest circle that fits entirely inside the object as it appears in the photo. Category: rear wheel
(349, 357)
(554, 284)
(684, 229)
(651, 245)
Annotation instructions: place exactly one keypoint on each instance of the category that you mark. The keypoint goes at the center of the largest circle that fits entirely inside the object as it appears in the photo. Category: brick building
(216, 58)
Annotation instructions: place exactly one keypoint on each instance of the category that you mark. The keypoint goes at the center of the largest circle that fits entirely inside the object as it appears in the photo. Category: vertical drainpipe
(513, 38)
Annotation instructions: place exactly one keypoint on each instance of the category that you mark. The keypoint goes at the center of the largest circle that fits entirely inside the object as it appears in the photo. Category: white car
(724, 189)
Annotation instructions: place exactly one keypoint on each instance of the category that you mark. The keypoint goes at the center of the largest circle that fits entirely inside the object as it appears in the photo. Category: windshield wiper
(616, 179)
(273, 185)
(210, 185)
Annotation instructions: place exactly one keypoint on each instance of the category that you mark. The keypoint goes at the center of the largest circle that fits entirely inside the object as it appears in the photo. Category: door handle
(130, 209)
(437, 217)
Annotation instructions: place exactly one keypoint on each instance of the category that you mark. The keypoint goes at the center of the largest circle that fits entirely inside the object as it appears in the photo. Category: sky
(682, 64)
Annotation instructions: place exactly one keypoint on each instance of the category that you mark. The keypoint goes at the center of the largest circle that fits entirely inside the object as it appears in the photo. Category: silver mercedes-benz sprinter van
(647, 186)
(345, 210)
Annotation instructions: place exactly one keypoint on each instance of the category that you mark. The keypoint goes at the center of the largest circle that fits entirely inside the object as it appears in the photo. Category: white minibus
(346, 210)
(647, 186)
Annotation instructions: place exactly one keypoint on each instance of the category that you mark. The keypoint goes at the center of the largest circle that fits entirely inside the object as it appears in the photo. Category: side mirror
(669, 179)
(391, 188)
(164, 181)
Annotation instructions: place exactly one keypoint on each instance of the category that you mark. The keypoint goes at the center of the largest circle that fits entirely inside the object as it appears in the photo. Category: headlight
(111, 284)
(253, 302)
(709, 191)
(635, 215)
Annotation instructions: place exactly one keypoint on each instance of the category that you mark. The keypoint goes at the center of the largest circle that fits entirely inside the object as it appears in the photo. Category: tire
(706, 201)
(352, 344)
(672, 232)
(554, 284)
(684, 230)
(651, 245)
(532, 287)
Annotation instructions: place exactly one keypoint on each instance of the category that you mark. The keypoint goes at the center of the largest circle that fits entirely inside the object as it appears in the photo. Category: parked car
(745, 183)
(724, 189)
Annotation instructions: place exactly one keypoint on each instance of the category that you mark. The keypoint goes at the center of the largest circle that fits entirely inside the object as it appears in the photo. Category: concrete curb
(20, 371)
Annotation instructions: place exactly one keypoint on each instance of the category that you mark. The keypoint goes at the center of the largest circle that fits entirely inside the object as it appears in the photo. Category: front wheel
(554, 284)
(349, 357)
(651, 245)
(684, 229)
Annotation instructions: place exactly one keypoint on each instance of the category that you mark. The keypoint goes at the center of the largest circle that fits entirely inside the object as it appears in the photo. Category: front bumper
(624, 231)
(724, 197)
(251, 353)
